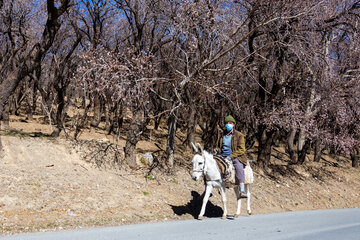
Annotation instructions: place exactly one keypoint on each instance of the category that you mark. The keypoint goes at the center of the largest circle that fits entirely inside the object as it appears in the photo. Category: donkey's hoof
(201, 217)
(236, 215)
(249, 212)
(224, 217)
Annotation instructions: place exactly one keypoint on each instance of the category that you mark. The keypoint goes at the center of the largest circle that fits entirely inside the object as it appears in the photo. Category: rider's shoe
(243, 195)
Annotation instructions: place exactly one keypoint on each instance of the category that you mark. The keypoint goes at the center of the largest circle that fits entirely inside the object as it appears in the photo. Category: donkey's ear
(201, 150)
(194, 147)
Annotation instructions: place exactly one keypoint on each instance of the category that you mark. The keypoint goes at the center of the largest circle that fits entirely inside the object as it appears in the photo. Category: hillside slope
(48, 184)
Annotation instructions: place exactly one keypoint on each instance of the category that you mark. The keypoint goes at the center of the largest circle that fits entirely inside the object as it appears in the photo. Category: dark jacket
(237, 144)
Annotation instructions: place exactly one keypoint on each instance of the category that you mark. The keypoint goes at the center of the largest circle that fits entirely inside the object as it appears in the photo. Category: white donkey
(205, 164)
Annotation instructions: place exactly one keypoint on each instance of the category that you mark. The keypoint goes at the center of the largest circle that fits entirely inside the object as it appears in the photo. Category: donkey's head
(198, 162)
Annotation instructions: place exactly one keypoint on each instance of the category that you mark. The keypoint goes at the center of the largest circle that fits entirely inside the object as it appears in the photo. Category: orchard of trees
(287, 70)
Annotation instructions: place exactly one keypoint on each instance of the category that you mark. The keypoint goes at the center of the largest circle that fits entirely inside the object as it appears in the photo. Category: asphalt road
(341, 224)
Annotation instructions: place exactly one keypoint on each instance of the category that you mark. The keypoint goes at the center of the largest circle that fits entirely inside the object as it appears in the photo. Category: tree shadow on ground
(193, 207)
(303, 172)
(19, 133)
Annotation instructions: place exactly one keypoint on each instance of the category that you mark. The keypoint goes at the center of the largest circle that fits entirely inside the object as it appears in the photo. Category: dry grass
(53, 184)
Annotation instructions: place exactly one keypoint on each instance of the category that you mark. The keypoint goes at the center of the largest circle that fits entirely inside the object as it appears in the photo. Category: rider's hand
(228, 158)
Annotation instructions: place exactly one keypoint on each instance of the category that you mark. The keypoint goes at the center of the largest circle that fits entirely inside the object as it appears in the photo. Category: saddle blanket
(227, 170)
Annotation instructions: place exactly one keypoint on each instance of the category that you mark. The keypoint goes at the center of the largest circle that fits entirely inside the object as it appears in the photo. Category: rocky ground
(54, 184)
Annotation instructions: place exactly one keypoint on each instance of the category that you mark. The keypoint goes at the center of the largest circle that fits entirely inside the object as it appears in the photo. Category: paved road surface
(341, 224)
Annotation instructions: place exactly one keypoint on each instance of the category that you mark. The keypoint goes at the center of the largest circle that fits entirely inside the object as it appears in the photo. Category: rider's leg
(240, 175)
(239, 170)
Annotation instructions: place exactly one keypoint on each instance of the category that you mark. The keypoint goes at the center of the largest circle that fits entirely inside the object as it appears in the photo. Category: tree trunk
(81, 125)
(29, 111)
(109, 116)
(112, 116)
(98, 105)
(47, 105)
(355, 157)
(18, 97)
(210, 130)
(265, 144)
(1, 146)
(302, 139)
(12, 104)
(191, 128)
(170, 143)
(290, 145)
(61, 83)
(29, 88)
(34, 97)
(6, 117)
(120, 121)
(133, 136)
(302, 153)
(130, 146)
(303, 147)
(317, 153)
(60, 112)
(211, 133)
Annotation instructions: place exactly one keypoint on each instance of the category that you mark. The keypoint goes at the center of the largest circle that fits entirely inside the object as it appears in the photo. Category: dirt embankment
(58, 184)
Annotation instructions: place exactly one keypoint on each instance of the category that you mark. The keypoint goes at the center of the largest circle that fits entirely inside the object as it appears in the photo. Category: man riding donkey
(231, 145)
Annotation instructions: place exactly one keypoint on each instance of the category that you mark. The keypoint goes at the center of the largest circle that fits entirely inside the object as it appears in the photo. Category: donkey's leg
(223, 196)
(205, 200)
(247, 189)
(238, 197)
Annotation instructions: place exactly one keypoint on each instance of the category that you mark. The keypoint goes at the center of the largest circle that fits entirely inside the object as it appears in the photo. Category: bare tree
(37, 51)
(288, 71)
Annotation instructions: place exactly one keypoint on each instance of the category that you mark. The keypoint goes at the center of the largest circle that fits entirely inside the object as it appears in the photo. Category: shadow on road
(193, 207)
